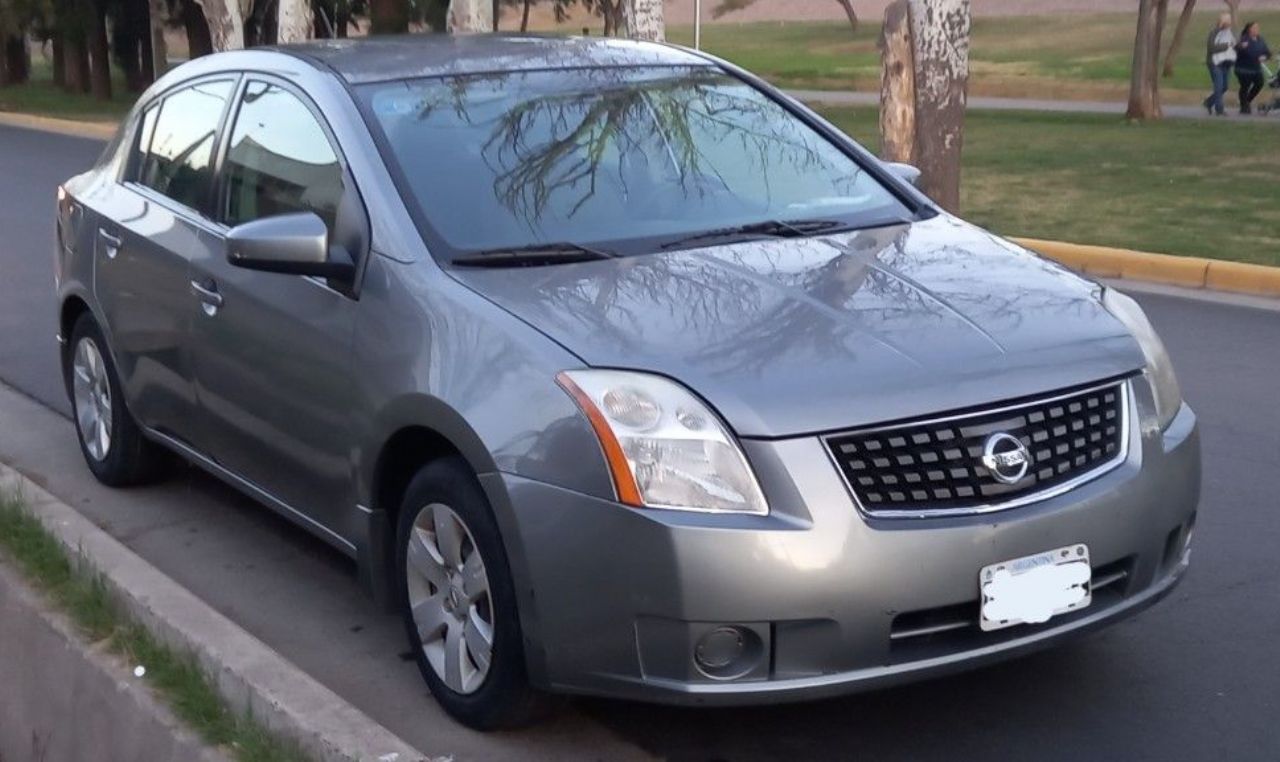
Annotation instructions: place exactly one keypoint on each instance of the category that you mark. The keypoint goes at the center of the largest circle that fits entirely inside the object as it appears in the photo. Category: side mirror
(906, 172)
(295, 244)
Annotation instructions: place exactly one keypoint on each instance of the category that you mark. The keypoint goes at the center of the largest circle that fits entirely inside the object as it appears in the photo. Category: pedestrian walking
(1220, 57)
(1251, 52)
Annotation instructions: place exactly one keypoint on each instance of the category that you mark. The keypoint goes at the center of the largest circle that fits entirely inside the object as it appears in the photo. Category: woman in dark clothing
(1251, 51)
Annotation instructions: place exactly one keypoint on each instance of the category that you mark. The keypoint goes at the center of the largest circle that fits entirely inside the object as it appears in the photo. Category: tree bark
(226, 23)
(295, 22)
(59, 61)
(17, 60)
(76, 59)
(643, 19)
(388, 16)
(897, 86)
(940, 47)
(1179, 33)
(199, 41)
(1234, 7)
(524, 16)
(1144, 80)
(99, 53)
(849, 11)
(156, 13)
(469, 16)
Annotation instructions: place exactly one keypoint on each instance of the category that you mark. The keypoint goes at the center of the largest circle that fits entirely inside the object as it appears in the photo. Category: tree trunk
(146, 53)
(1179, 32)
(469, 16)
(156, 14)
(226, 23)
(643, 19)
(1144, 80)
(295, 21)
(125, 46)
(524, 16)
(17, 60)
(388, 16)
(1234, 7)
(849, 11)
(199, 41)
(897, 86)
(76, 61)
(99, 53)
(59, 61)
(940, 29)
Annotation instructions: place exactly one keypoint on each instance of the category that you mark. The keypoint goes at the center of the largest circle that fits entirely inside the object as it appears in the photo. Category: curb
(251, 676)
(54, 679)
(72, 127)
(1188, 272)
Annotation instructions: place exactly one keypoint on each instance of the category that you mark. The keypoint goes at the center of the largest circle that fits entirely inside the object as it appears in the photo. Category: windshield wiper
(767, 229)
(535, 255)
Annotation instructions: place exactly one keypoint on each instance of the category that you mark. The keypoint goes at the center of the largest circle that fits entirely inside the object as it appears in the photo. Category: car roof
(374, 59)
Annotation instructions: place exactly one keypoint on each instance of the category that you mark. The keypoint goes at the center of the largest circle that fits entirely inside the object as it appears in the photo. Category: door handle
(209, 296)
(111, 243)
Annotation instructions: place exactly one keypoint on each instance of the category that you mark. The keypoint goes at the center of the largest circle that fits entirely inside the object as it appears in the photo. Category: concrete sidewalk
(976, 103)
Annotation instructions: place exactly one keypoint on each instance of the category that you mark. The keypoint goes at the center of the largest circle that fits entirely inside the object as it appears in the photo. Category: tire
(116, 451)
(444, 500)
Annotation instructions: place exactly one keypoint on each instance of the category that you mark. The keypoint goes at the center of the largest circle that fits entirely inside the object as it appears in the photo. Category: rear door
(273, 359)
(147, 229)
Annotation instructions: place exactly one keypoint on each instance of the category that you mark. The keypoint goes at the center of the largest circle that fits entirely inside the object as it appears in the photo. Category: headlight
(664, 447)
(1164, 384)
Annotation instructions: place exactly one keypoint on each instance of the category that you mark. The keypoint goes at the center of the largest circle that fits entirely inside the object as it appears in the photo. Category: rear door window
(177, 160)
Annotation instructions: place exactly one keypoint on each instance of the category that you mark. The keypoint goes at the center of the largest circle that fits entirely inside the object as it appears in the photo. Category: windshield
(613, 155)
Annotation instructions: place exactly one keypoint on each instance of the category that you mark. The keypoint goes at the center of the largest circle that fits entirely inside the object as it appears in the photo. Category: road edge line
(251, 676)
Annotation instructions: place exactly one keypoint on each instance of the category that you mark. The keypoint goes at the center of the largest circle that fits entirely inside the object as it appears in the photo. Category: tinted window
(596, 155)
(279, 160)
(177, 161)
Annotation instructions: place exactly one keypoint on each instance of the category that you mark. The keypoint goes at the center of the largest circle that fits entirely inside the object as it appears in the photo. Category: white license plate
(1031, 589)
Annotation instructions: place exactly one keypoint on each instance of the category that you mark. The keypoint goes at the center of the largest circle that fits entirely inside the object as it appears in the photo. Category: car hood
(796, 336)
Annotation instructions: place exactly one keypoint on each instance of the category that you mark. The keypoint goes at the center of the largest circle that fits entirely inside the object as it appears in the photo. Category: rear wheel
(458, 600)
(112, 443)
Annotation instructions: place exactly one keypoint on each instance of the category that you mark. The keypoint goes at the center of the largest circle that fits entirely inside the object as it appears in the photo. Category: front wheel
(459, 601)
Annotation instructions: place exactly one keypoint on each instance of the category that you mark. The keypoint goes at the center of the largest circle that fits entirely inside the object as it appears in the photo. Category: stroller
(1273, 82)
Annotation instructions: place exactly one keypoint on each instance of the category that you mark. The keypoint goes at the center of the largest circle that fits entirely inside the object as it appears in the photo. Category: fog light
(727, 651)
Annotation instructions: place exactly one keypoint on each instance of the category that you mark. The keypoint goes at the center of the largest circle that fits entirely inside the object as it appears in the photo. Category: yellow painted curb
(1189, 272)
(1244, 278)
(97, 130)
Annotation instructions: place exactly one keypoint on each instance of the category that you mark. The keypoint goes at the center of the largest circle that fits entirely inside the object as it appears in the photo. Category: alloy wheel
(91, 391)
(449, 598)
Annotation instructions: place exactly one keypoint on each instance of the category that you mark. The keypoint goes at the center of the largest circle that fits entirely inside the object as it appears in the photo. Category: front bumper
(613, 600)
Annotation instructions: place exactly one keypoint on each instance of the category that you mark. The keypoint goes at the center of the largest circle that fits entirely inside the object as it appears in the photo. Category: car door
(148, 226)
(272, 352)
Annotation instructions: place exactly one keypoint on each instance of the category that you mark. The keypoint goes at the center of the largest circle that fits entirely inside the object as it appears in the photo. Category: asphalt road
(1196, 677)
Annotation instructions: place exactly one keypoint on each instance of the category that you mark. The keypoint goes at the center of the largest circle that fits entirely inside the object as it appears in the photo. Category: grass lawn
(40, 96)
(1203, 189)
(1083, 57)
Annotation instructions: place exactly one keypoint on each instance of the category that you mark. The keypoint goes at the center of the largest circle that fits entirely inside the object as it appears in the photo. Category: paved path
(846, 98)
(1194, 678)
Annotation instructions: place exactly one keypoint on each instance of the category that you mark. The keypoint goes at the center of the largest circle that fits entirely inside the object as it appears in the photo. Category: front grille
(935, 467)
